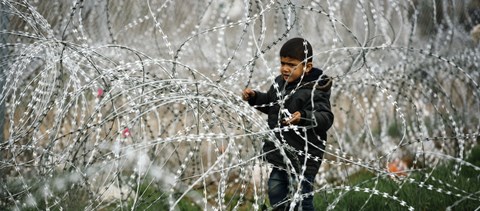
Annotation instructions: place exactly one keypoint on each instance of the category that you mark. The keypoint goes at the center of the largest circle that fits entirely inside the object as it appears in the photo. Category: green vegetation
(444, 187)
(151, 198)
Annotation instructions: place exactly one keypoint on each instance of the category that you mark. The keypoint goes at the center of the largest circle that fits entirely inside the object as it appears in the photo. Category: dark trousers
(282, 186)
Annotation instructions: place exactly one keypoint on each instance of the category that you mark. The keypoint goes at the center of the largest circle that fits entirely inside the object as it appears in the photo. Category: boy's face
(292, 69)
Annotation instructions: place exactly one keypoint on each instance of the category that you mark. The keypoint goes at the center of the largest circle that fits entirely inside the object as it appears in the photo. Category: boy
(300, 97)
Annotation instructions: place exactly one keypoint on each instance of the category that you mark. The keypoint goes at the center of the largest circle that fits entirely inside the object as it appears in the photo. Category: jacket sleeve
(320, 117)
(262, 100)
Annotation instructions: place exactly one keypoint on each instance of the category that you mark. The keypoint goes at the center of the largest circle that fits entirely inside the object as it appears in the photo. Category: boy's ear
(309, 67)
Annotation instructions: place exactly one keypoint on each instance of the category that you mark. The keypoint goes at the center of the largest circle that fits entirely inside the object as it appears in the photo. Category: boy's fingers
(295, 118)
(245, 94)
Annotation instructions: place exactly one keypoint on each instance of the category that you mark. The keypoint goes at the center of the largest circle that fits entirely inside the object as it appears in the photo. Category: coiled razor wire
(132, 104)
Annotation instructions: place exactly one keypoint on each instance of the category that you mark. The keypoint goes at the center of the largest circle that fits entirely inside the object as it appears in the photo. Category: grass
(437, 188)
(154, 199)
(419, 191)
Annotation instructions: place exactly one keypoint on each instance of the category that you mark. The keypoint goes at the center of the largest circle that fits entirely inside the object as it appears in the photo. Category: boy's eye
(289, 65)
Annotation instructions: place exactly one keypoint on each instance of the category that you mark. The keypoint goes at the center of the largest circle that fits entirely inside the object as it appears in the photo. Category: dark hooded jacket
(316, 118)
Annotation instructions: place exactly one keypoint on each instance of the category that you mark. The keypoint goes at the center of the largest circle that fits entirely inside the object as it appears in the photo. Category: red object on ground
(99, 92)
(126, 132)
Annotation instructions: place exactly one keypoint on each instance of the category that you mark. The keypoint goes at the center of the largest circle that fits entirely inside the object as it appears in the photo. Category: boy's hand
(247, 94)
(294, 119)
